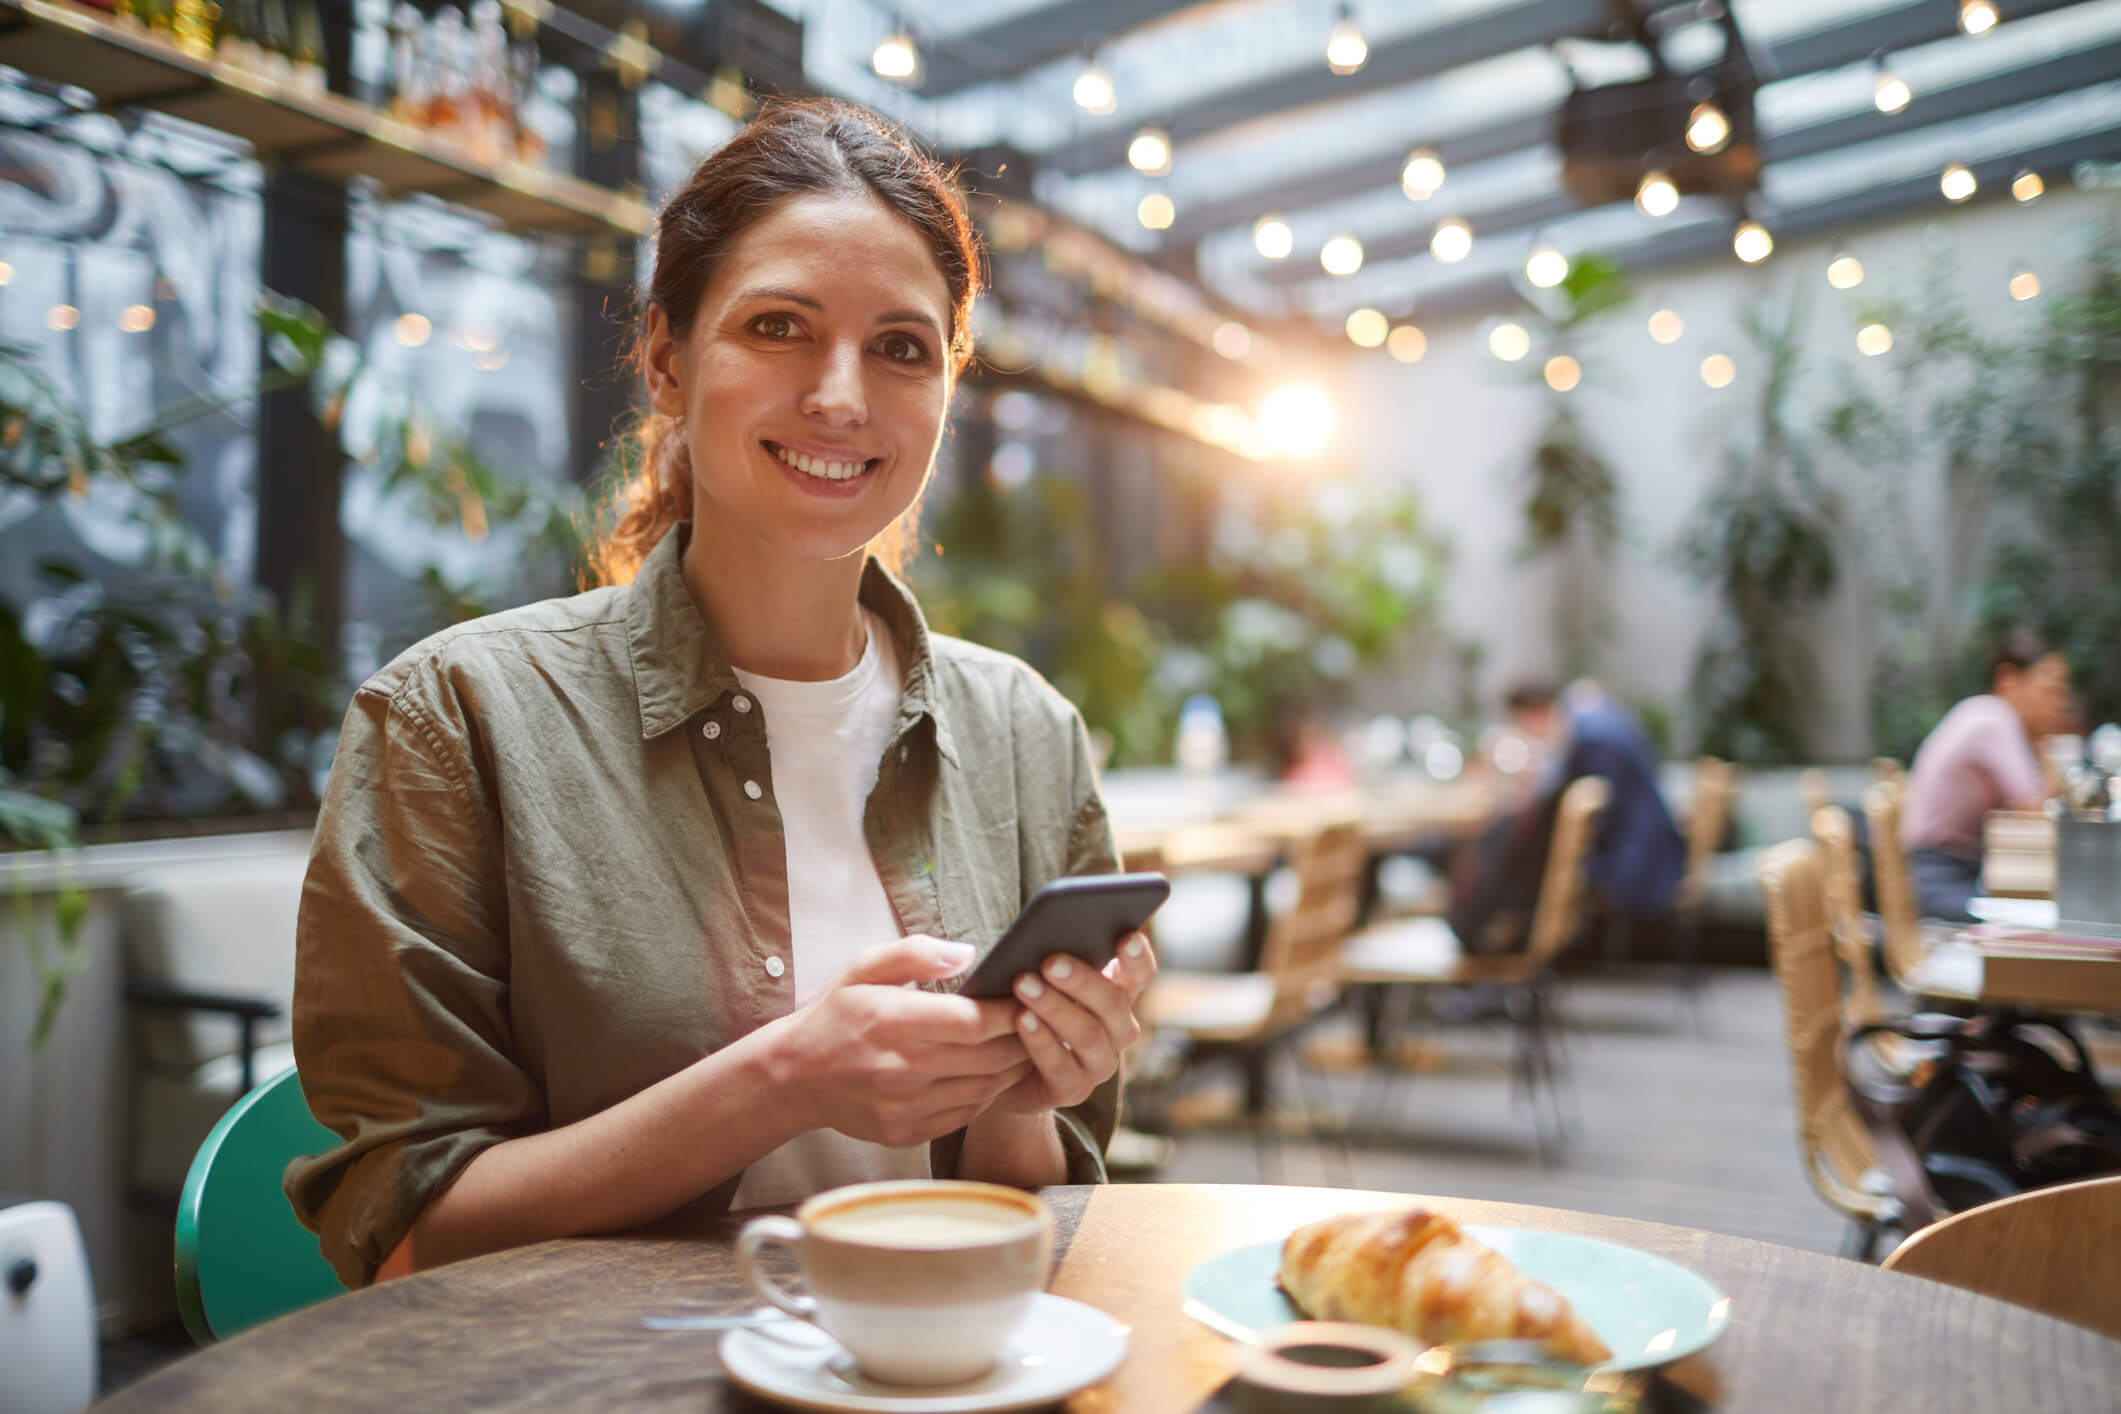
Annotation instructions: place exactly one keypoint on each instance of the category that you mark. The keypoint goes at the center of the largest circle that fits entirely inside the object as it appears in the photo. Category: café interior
(1579, 539)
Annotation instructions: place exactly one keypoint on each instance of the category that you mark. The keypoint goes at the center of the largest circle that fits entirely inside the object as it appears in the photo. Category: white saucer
(1061, 1347)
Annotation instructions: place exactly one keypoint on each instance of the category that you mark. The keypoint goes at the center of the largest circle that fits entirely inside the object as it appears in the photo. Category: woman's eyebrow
(910, 316)
(794, 296)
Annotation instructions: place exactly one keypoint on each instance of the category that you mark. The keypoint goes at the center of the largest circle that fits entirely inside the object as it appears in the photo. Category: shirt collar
(679, 668)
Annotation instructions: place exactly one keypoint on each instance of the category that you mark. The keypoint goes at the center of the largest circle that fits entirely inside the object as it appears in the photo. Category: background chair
(241, 1257)
(1413, 953)
(1862, 1004)
(2052, 1249)
(1895, 886)
(1708, 818)
(1838, 1155)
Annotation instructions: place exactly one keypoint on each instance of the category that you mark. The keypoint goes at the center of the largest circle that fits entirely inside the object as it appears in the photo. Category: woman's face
(814, 380)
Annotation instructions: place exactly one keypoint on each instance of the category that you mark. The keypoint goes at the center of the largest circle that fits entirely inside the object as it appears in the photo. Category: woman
(616, 901)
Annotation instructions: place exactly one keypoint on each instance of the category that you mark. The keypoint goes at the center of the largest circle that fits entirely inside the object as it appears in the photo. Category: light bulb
(1452, 241)
(1563, 373)
(1150, 152)
(1666, 326)
(1546, 267)
(1509, 342)
(412, 330)
(136, 318)
(1367, 328)
(1874, 339)
(2027, 186)
(2025, 285)
(1957, 183)
(1346, 49)
(1890, 93)
(1407, 344)
(1717, 370)
(1844, 271)
(1232, 340)
(1656, 196)
(1752, 243)
(1707, 129)
(1156, 212)
(62, 317)
(1093, 91)
(1272, 238)
(896, 58)
(1978, 16)
(1422, 175)
(1341, 256)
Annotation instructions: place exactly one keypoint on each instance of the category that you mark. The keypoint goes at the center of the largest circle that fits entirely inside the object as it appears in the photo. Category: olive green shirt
(549, 871)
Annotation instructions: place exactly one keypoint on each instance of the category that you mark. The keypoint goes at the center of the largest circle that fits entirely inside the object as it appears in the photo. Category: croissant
(1417, 1272)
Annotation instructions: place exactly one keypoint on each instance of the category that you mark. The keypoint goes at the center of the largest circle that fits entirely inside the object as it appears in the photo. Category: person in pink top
(1984, 755)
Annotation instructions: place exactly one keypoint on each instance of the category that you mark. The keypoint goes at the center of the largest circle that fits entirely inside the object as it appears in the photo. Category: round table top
(558, 1326)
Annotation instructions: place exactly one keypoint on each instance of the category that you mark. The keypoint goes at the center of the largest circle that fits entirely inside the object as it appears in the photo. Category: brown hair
(814, 146)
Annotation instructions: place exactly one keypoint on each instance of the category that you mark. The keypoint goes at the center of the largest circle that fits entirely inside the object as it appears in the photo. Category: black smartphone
(1084, 916)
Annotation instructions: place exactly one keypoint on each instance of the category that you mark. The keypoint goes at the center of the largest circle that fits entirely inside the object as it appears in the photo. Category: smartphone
(1084, 916)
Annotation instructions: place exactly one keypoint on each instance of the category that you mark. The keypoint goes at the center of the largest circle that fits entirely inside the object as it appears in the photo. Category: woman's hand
(878, 1060)
(1074, 1024)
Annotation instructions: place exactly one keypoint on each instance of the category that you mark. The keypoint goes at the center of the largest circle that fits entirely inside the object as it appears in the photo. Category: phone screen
(1084, 916)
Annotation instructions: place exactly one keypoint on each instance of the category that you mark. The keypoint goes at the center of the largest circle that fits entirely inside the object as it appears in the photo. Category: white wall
(1459, 425)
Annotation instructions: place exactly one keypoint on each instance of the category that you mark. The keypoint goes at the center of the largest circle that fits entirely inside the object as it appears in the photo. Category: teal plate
(1648, 1311)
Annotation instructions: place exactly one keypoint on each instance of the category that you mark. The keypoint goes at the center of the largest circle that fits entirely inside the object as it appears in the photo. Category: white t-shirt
(825, 740)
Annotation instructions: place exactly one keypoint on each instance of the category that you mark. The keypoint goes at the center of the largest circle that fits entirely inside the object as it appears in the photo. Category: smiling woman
(647, 899)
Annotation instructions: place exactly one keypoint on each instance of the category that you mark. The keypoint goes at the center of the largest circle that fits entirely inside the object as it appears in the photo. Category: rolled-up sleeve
(401, 1020)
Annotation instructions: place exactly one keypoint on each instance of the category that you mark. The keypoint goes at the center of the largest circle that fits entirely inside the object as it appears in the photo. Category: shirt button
(775, 967)
(710, 730)
(751, 788)
(741, 703)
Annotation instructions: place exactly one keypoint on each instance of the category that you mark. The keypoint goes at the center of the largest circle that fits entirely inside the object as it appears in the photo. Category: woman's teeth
(818, 466)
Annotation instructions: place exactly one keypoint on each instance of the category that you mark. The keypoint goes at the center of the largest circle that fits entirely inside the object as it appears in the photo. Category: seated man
(1637, 858)
(1983, 756)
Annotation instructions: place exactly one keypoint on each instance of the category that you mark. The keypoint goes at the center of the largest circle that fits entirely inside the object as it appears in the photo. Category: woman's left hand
(1075, 1023)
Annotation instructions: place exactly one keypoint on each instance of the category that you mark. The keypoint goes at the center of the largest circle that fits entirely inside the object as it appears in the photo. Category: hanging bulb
(1367, 328)
(1873, 340)
(1156, 212)
(1509, 342)
(1957, 183)
(1452, 241)
(1751, 242)
(1666, 326)
(1978, 16)
(2027, 186)
(1890, 92)
(1707, 129)
(1563, 373)
(1546, 267)
(1844, 271)
(1422, 175)
(1341, 256)
(2025, 284)
(896, 58)
(1656, 196)
(1272, 238)
(1717, 370)
(1150, 152)
(1346, 49)
(1093, 90)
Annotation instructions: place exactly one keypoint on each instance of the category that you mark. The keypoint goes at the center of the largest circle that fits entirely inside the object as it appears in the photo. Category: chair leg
(1256, 1062)
(1333, 1140)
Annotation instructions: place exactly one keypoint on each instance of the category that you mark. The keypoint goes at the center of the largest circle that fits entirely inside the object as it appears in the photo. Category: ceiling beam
(1904, 27)
(1009, 47)
(1413, 240)
(1420, 55)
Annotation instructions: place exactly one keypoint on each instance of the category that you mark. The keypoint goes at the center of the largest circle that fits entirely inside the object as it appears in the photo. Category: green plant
(1763, 537)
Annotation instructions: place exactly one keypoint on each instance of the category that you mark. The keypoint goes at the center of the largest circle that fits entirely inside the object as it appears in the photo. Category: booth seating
(210, 954)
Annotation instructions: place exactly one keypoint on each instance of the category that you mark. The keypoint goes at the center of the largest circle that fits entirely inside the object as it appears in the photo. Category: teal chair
(241, 1257)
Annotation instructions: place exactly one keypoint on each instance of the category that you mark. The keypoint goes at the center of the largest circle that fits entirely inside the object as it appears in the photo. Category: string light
(1978, 16)
(1407, 344)
(1297, 420)
(1707, 129)
(7, 273)
(1752, 243)
(2027, 186)
(1509, 342)
(412, 330)
(1717, 370)
(1367, 328)
(1546, 267)
(1452, 241)
(1656, 196)
(1873, 340)
(1844, 271)
(1150, 152)
(1156, 212)
(1957, 183)
(1666, 326)
(1341, 256)
(2025, 285)
(896, 58)
(1889, 92)
(136, 318)
(1232, 340)
(1346, 49)
(1272, 238)
(1093, 90)
(61, 316)
(1422, 174)
(1563, 373)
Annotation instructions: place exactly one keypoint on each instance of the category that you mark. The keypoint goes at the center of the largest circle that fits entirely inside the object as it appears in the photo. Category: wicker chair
(1837, 1151)
(1905, 946)
(1844, 906)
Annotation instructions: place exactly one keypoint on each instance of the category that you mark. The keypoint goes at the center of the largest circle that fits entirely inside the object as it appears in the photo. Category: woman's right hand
(882, 1061)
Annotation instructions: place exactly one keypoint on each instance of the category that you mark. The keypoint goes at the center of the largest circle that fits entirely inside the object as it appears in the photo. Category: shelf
(324, 134)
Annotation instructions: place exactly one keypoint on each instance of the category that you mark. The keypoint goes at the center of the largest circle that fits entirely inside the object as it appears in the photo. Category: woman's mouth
(825, 469)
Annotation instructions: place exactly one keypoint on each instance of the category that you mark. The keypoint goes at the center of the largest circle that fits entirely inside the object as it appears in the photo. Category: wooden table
(2000, 965)
(2018, 855)
(557, 1326)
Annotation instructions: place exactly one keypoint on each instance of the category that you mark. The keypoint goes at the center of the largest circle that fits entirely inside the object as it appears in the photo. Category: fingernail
(955, 954)
(1060, 967)
(1030, 987)
(1030, 1022)
(1134, 946)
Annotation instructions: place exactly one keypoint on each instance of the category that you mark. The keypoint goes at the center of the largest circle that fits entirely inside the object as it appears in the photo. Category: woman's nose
(836, 388)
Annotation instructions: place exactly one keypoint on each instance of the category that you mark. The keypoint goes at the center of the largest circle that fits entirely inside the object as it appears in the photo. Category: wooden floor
(1671, 1122)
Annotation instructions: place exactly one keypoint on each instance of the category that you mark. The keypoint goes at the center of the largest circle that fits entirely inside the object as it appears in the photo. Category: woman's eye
(904, 348)
(774, 326)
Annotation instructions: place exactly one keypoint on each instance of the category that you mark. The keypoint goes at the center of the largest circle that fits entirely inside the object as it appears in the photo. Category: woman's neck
(775, 615)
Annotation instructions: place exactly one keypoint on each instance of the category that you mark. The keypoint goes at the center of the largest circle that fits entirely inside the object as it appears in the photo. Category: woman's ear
(663, 366)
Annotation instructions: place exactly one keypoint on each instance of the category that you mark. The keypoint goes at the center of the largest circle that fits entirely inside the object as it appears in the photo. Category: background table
(557, 1326)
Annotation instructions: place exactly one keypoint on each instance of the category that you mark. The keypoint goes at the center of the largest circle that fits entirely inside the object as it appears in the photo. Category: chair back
(1302, 950)
(242, 1258)
(2051, 1249)
(1715, 782)
(1844, 912)
(1893, 883)
(1837, 1149)
(1560, 909)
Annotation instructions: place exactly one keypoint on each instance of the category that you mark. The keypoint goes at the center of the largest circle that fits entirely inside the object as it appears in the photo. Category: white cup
(922, 1280)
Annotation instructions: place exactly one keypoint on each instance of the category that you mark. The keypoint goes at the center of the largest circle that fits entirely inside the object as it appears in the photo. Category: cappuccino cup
(922, 1280)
